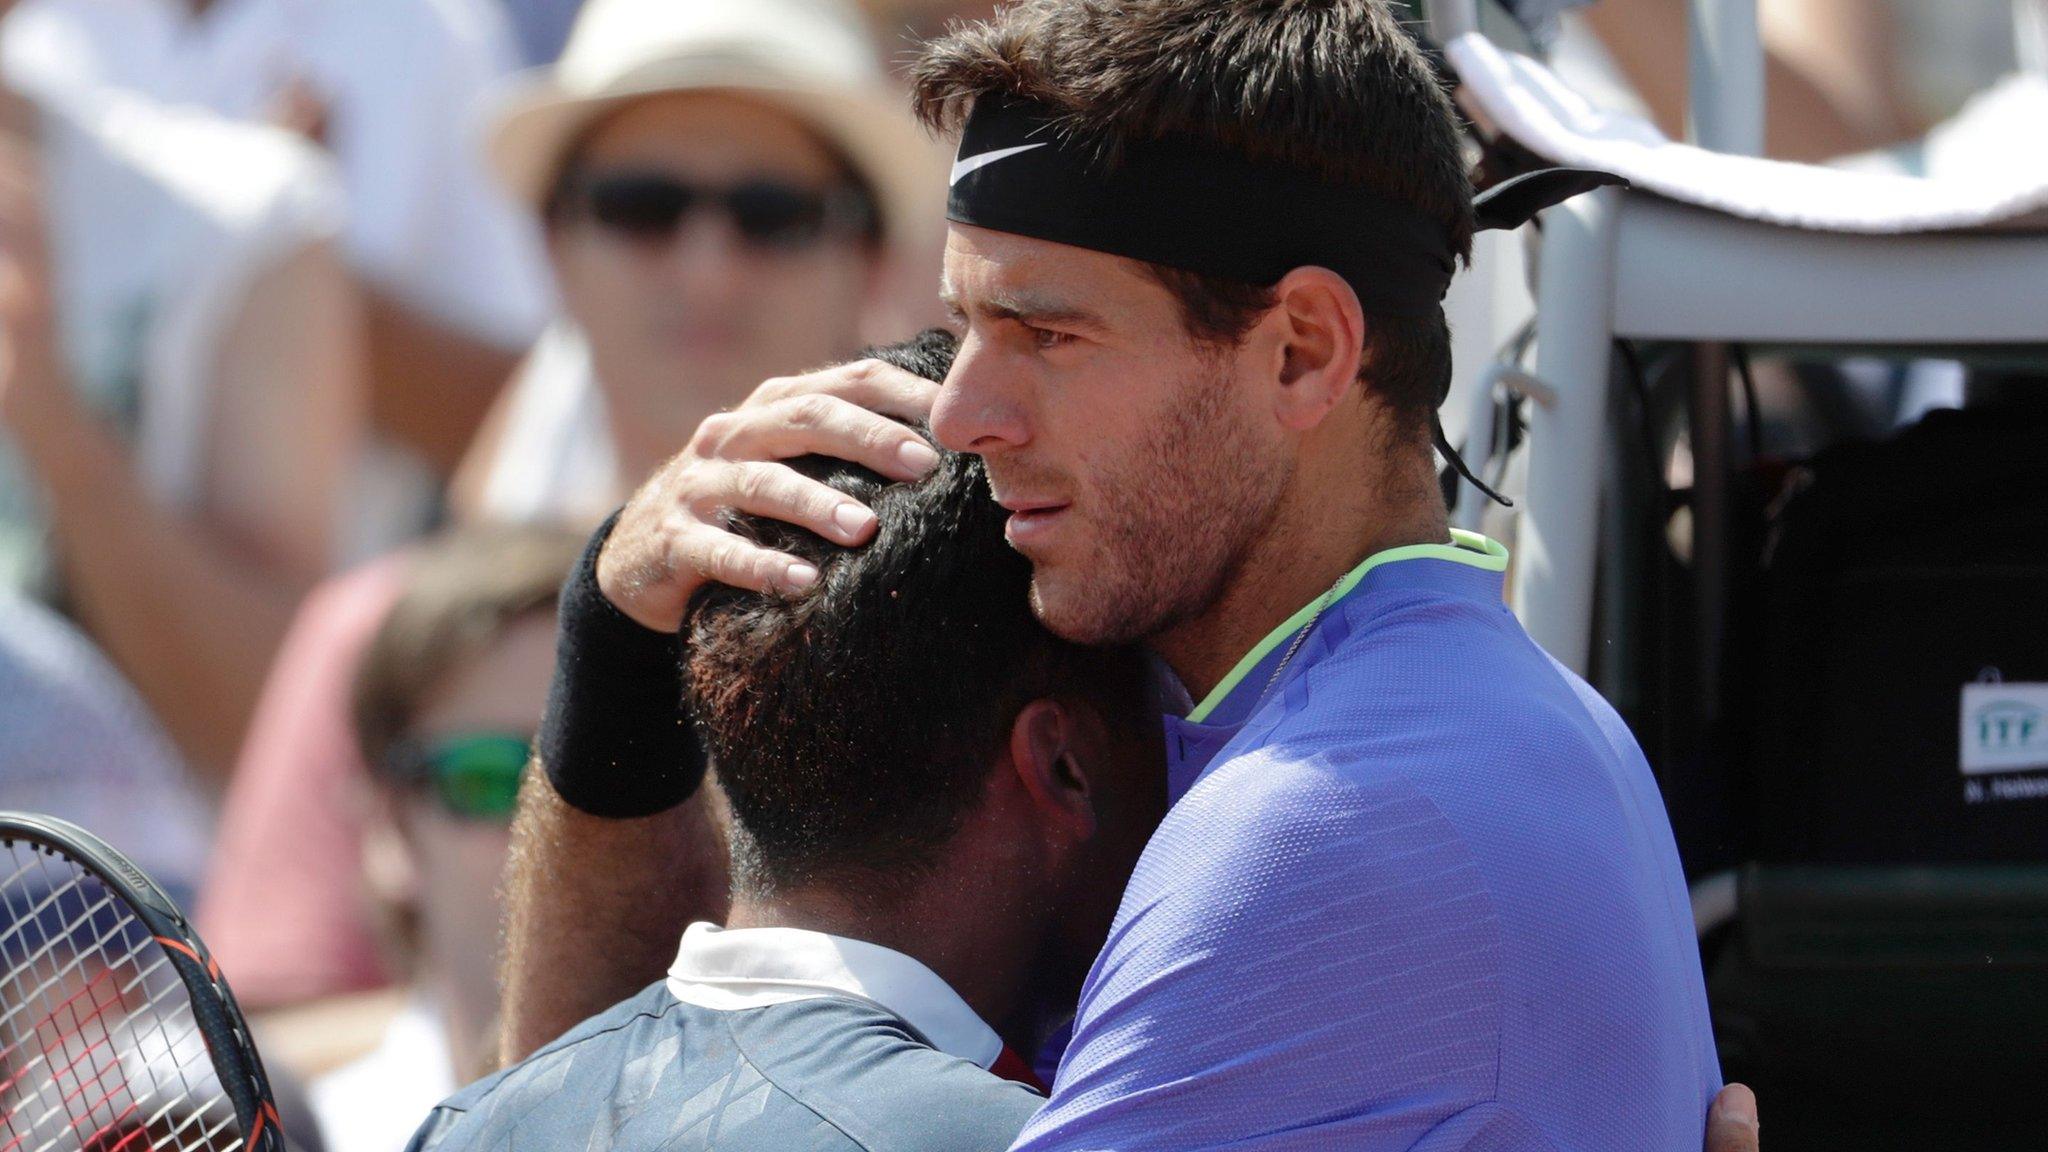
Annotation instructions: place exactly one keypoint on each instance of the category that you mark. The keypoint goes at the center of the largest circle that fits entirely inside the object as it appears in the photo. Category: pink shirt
(283, 906)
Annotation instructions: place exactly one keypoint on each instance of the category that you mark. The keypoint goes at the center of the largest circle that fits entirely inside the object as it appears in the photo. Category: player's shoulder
(1432, 686)
(829, 1073)
(508, 1096)
(861, 1070)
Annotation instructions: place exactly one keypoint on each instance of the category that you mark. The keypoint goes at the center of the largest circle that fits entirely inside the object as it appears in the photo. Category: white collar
(728, 969)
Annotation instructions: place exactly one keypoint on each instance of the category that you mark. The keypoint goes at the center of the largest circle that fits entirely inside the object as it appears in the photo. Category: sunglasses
(473, 776)
(771, 215)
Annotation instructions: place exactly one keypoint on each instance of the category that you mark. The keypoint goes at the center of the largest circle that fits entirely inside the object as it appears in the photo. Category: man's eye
(1045, 338)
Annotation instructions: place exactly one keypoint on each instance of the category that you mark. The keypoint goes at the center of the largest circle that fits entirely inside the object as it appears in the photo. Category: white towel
(1988, 171)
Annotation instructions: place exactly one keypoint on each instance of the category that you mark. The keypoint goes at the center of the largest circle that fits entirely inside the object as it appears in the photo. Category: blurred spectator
(446, 703)
(541, 27)
(280, 904)
(902, 24)
(451, 274)
(79, 745)
(1842, 74)
(180, 398)
(731, 92)
(723, 186)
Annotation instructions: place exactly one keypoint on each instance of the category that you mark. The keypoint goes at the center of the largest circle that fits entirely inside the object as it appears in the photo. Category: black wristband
(615, 741)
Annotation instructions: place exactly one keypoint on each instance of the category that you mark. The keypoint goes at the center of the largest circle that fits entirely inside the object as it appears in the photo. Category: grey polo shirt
(767, 1038)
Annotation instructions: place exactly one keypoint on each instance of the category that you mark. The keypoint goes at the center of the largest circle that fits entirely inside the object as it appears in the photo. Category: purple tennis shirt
(1417, 890)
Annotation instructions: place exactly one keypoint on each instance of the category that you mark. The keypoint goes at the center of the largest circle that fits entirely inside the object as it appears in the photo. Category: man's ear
(1321, 334)
(1044, 740)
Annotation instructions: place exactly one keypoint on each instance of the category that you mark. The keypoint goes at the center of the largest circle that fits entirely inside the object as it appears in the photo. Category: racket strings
(100, 1050)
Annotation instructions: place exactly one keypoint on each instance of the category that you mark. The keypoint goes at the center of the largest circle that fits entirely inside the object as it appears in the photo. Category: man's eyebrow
(1021, 306)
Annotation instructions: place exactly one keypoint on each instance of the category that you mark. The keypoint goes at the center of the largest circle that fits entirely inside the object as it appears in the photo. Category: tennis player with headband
(1416, 888)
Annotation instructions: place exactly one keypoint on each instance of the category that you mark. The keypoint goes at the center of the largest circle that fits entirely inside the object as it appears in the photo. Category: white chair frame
(1620, 264)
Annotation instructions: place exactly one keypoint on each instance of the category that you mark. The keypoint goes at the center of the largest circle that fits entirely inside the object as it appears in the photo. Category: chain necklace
(1322, 605)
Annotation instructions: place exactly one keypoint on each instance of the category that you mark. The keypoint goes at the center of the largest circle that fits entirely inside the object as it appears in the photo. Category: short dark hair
(853, 726)
(462, 590)
(1335, 88)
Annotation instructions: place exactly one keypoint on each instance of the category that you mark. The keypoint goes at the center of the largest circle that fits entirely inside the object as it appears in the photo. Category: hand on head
(670, 540)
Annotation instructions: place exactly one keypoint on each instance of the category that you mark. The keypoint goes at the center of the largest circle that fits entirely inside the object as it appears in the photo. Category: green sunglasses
(474, 775)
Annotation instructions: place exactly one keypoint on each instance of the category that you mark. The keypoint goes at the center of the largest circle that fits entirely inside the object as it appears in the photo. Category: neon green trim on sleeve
(1465, 548)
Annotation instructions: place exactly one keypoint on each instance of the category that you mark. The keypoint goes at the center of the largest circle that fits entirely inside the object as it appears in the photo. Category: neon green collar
(1464, 548)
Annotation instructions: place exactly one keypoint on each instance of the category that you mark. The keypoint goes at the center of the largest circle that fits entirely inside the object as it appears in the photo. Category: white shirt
(554, 461)
(376, 1103)
(733, 969)
(160, 221)
(401, 80)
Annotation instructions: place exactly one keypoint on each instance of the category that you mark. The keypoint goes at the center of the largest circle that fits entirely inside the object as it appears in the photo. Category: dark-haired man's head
(1157, 430)
(909, 757)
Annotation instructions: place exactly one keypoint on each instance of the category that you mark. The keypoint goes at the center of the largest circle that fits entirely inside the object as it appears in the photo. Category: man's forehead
(1020, 273)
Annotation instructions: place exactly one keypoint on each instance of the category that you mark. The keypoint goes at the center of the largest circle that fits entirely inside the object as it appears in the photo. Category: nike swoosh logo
(967, 164)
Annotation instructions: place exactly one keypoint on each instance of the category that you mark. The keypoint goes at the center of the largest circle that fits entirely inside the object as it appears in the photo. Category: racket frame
(221, 1023)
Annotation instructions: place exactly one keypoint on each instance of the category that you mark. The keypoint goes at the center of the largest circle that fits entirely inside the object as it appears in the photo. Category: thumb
(1732, 1121)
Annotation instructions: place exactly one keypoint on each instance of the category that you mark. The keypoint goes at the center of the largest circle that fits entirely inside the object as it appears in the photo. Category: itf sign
(2004, 728)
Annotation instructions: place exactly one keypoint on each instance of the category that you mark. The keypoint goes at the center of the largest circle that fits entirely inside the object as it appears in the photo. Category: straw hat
(809, 57)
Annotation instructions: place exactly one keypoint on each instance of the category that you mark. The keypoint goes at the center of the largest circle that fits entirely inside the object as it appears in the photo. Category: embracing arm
(595, 907)
(1356, 940)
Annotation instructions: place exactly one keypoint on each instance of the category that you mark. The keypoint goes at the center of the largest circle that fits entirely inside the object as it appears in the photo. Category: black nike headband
(1200, 208)
(1186, 204)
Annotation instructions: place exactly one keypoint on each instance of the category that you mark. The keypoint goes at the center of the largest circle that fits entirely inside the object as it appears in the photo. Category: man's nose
(979, 410)
(706, 250)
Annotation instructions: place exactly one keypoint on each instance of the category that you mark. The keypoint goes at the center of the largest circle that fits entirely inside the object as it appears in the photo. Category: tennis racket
(117, 1033)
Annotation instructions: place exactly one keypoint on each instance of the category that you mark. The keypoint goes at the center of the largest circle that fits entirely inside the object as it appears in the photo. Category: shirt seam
(1467, 548)
(739, 1046)
(1309, 661)
(1501, 1109)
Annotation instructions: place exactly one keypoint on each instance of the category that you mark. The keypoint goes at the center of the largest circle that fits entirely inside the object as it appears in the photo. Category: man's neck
(990, 975)
(1329, 522)
(650, 418)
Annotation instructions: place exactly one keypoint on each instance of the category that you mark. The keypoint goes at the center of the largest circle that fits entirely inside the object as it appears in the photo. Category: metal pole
(1560, 523)
(1725, 111)
(1710, 471)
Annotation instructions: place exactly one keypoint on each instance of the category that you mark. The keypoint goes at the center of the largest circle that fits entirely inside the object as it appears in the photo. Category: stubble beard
(1177, 521)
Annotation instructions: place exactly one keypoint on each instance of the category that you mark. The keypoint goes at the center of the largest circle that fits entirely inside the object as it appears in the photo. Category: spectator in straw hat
(723, 187)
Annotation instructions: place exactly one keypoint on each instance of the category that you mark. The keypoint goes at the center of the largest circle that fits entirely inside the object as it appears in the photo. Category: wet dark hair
(853, 726)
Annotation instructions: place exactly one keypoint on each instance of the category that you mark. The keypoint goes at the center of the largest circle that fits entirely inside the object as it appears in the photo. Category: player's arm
(612, 853)
(595, 906)
(1301, 964)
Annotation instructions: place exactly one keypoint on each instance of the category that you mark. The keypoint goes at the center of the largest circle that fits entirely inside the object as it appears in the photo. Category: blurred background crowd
(329, 328)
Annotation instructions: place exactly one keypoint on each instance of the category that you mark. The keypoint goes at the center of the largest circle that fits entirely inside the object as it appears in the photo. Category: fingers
(816, 423)
(872, 384)
(781, 493)
(1732, 1121)
(716, 555)
(671, 537)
